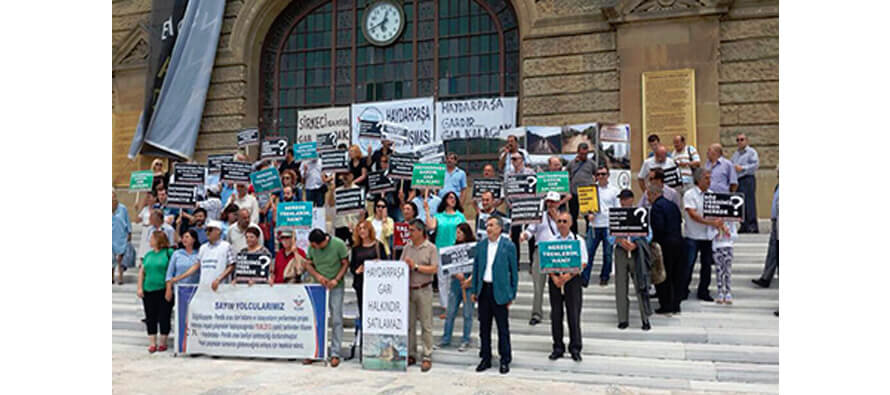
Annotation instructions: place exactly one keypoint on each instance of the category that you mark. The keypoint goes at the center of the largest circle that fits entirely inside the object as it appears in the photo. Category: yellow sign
(668, 106)
(588, 200)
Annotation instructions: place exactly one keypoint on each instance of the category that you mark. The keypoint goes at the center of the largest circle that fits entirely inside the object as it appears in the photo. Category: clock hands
(377, 25)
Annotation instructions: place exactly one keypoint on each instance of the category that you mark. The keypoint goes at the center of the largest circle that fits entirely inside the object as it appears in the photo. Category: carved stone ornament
(625, 11)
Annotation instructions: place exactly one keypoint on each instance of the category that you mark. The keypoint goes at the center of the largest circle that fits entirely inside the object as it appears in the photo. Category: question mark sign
(641, 212)
(282, 145)
(532, 180)
(737, 201)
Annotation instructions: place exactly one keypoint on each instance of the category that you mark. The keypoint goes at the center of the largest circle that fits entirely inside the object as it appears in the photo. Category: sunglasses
(517, 158)
(381, 206)
(740, 139)
(602, 174)
(562, 221)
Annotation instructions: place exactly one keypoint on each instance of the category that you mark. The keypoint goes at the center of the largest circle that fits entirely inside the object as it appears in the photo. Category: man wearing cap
(546, 230)
(626, 264)
(327, 263)
(658, 161)
(746, 162)
(565, 289)
(599, 232)
(214, 256)
(581, 171)
(495, 277)
(236, 234)
(422, 258)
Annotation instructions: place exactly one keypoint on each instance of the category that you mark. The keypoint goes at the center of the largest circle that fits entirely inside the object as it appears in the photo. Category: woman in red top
(284, 255)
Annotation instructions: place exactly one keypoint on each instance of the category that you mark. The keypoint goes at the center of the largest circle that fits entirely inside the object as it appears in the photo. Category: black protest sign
(457, 259)
(181, 195)
(349, 200)
(493, 185)
(379, 182)
(401, 166)
(725, 206)
(672, 177)
(248, 136)
(188, 173)
(214, 161)
(526, 210)
(369, 129)
(521, 185)
(326, 141)
(237, 172)
(274, 147)
(334, 161)
(629, 221)
(252, 266)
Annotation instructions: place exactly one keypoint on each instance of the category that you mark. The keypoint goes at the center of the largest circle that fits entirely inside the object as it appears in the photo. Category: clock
(383, 22)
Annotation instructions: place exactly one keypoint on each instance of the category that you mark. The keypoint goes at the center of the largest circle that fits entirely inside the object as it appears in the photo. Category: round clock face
(383, 22)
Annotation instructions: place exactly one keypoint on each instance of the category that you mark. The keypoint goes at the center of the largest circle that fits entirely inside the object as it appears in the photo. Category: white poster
(613, 150)
(385, 315)
(282, 321)
(416, 115)
(301, 236)
(333, 121)
(475, 118)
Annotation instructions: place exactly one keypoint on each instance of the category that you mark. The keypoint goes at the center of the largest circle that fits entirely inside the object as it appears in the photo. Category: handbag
(657, 273)
(129, 259)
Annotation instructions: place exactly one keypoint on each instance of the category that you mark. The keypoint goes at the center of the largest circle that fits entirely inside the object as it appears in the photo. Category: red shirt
(281, 260)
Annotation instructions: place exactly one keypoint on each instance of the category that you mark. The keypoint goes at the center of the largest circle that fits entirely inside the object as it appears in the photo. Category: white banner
(325, 121)
(282, 321)
(385, 315)
(475, 118)
(416, 115)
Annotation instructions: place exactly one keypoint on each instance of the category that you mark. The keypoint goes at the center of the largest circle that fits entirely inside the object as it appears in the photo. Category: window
(315, 55)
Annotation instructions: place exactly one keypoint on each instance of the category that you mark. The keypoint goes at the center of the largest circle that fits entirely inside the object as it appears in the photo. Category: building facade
(568, 61)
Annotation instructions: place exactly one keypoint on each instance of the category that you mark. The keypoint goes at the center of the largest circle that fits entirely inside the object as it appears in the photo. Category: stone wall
(749, 88)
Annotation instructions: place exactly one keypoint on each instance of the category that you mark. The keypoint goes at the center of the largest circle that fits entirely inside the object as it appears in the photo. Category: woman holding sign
(358, 167)
(458, 294)
(445, 222)
(252, 236)
(383, 224)
(365, 247)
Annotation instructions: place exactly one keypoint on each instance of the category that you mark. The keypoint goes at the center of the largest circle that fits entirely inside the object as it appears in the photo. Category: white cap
(554, 196)
(213, 224)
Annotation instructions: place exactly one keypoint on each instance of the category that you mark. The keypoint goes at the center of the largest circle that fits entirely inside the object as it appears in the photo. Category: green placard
(294, 214)
(558, 256)
(266, 180)
(141, 180)
(428, 175)
(303, 151)
(556, 181)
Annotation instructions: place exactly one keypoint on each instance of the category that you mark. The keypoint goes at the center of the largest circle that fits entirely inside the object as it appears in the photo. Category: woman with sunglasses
(383, 224)
(458, 285)
(445, 222)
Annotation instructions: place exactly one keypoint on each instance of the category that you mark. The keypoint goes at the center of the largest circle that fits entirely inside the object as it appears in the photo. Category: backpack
(657, 273)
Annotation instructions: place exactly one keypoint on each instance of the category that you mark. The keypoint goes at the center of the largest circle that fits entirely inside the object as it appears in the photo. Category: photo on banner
(542, 142)
(613, 151)
(385, 315)
(475, 118)
(331, 124)
(573, 135)
(416, 115)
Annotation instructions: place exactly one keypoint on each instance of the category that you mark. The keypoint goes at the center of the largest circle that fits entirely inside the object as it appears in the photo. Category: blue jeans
(335, 311)
(455, 298)
(594, 237)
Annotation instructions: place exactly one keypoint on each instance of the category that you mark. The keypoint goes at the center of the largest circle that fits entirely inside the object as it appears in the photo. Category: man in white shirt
(599, 232)
(244, 200)
(311, 172)
(214, 256)
(544, 231)
(687, 159)
(699, 233)
(565, 289)
(237, 234)
(658, 161)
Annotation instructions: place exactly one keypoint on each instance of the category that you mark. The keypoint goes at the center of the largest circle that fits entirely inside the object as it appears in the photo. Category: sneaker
(463, 347)
(727, 299)
(441, 345)
(719, 298)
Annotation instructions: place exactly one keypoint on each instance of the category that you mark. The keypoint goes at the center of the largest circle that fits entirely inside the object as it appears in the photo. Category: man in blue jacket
(495, 277)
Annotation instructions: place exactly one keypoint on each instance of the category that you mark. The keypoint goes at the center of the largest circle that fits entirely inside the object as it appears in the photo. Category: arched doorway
(315, 55)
